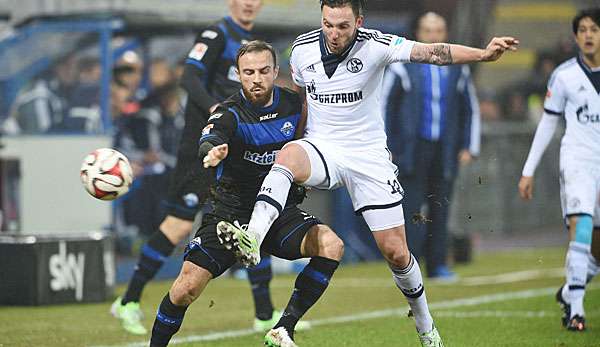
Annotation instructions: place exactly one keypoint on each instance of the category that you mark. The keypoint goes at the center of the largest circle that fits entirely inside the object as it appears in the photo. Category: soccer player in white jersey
(573, 94)
(341, 66)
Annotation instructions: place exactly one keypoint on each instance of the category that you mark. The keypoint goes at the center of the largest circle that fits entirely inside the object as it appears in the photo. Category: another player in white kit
(341, 66)
(573, 94)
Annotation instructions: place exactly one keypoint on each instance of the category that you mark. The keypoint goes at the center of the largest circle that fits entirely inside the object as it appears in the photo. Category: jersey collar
(262, 110)
(332, 60)
(593, 76)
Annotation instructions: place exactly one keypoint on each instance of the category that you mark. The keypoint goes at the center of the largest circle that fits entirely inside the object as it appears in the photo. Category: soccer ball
(106, 174)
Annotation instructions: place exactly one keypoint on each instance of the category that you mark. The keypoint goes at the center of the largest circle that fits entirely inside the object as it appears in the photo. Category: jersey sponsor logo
(232, 74)
(311, 68)
(267, 158)
(198, 52)
(311, 88)
(215, 116)
(209, 34)
(287, 129)
(354, 65)
(207, 128)
(337, 98)
(584, 117)
(268, 116)
(67, 271)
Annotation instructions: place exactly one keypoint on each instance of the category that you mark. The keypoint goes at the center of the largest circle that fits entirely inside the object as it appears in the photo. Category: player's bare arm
(446, 53)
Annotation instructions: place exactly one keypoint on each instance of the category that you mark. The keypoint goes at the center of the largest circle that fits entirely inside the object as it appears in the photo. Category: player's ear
(276, 72)
(360, 21)
(237, 72)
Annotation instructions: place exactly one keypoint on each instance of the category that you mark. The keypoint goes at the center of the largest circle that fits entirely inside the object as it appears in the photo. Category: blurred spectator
(84, 115)
(433, 125)
(129, 71)
(161, 73)
(44, 103)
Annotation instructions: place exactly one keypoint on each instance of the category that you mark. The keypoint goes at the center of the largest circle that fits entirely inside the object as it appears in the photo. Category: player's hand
(497, 47)
(215, 155)
(464, 157)
(213, 108)
(526, 187)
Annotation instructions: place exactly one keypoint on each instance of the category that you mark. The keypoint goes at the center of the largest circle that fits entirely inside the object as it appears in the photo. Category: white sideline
(465, 302)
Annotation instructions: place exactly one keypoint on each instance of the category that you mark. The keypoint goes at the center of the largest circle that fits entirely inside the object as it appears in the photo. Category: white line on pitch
(478, 300)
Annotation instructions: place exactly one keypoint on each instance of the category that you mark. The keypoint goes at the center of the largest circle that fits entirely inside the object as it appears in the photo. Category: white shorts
(368, 174)
(580, 191)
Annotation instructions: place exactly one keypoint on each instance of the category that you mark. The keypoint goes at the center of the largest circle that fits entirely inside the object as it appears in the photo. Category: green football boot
(431, 339)
(130, 316)
(241, 241)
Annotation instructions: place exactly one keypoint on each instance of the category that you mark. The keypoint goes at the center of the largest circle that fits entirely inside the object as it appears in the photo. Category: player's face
(244, 11)
(432, 30)
(257, 73)
(339, 25)
(588, 37)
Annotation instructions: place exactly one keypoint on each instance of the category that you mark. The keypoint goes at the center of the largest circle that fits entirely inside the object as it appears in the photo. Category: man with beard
(209, 77)
(241, 140)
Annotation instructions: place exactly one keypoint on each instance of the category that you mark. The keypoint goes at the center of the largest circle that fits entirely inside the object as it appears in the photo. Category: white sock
(270, 200)
(577, 270)
(410, 283)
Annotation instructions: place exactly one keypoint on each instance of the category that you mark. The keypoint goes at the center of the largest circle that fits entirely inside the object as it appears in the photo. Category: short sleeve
(221, 126)
(295, 69)
(208, 46)
(555, 96)
(398, 50)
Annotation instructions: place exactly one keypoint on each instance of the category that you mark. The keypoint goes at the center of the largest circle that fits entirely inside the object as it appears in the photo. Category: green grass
(226, 305)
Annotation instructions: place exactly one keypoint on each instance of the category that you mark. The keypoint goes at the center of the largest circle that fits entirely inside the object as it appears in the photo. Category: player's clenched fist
(499, 45)
(526, 187)
(215, 155)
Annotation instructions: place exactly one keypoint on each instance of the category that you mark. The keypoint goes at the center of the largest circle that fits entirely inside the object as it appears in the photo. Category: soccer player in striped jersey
(573, 95)
(341, 66)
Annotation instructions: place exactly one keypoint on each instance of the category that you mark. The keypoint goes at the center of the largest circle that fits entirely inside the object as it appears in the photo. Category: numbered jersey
(343, 91)
(254, 136)
(573, 93)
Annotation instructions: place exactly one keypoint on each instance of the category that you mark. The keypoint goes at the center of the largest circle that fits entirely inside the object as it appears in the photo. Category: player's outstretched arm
(446, 53)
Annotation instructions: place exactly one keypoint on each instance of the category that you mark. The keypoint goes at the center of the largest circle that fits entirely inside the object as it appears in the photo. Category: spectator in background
(161, 73)
(433, 124)
(44, 103)
(84, 115)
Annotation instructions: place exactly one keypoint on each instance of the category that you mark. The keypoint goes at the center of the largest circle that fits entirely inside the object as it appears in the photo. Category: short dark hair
(358, 6)
(255, 46)
(592, 13)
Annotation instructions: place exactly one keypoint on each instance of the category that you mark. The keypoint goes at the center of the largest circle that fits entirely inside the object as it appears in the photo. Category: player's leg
(299, 161)
(294, 235)
(260, 277)
(187, 287)
(377, 195)
(205, 259)
(154, 253)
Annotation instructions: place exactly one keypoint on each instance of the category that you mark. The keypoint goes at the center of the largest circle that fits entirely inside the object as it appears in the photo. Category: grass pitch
(503, 299)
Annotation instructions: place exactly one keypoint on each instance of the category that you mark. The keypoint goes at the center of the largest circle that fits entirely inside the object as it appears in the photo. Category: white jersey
(571, 93)
(344, 92)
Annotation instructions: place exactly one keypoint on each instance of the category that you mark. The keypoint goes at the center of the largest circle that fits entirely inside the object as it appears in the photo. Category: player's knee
(398, 256)
(331, 246)
(175, 229)
(187, 287)
(296, 160)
